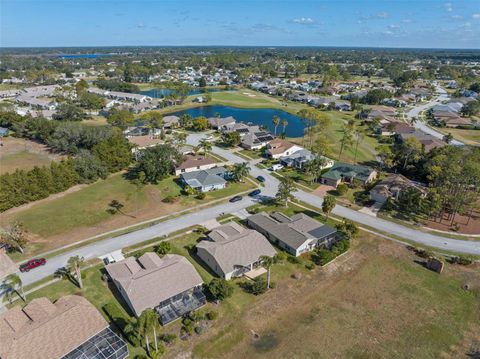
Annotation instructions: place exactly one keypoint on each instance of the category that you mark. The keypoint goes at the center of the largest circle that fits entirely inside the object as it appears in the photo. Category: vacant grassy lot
(56, 222)
(470, 137)
(374, 302)
(18, 153)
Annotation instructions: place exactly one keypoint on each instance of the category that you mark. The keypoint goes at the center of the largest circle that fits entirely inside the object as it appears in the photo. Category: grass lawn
(245, 98)
(24, 160)
(298, 177)
(83, 208)
(96, 120)
(251, 153)
(366, 147)
(470, 137)
(83, 214)
(373, 302)
(23, 154)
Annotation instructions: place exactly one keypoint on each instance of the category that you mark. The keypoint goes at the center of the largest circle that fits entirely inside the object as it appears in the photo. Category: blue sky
(400, 23)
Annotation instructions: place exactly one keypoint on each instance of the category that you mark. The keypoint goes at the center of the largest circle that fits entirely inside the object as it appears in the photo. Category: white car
(276, 167)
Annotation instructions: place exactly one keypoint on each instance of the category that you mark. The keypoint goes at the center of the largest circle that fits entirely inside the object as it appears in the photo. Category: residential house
(170, 285)
(171, 121)
(280, 148)
(296, 235)
(193, 163)
(232, 250)
(391, 187)
(344, 172)
(206, 180)
(255, 140)
(395, 128)
(9, 93)
(428, 141)
(221, 123)
(70, 328)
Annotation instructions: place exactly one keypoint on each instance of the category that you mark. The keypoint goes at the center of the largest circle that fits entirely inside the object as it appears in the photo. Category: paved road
(164, 228)
(415, 112)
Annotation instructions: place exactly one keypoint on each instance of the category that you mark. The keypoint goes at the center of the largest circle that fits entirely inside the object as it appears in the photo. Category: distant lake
(83, 56)
(159, 92)
(258, 116)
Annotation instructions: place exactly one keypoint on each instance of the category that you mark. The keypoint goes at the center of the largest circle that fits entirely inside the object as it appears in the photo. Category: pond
(162, 92)
(257, 116)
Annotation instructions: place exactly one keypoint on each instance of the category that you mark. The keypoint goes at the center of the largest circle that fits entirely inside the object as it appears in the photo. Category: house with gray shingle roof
(206, 180)
(296, 235)
(345, 172)
(232, 250)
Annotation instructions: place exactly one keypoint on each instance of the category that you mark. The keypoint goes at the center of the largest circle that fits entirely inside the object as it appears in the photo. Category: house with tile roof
(170, 285)
(231, 250)
(281, 148)
(70, 328)
(193, 163)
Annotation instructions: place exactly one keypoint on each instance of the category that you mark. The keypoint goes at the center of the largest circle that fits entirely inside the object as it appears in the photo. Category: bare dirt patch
(465, 224)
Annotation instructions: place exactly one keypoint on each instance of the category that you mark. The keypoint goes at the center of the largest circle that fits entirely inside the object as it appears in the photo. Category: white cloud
(141, 25)
(448, 6)
(388, 32)
(407, 21)
(304, 21)
(381, 15)
(456, 17)
(476, 16)
(393, 26)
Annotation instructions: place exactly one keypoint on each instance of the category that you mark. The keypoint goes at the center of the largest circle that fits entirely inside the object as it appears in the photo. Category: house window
(198, 167)
(183, 170)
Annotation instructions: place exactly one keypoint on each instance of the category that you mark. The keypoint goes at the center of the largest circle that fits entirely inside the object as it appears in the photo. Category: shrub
(168, 338)
(163, 248)
(155, 354)
(199, 330)
(322, 256)
(342, 188)
(310, 266)
(422, 253)
(281, 256)
(169, 199)
(201, 195)
(212, 315)
(293, 259)
(460, 260)
(256, 287)
(219, 289)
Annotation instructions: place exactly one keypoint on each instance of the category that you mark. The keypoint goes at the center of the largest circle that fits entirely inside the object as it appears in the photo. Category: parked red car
(32, 263)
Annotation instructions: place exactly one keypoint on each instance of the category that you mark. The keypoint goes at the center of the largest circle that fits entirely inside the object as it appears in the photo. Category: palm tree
(12, 283)
(240, 171)
(359, 137)
(148, 321)
(74, 268)
(205, 145)
(276, 121)
(267, 262)
(284, 124)
(346, 140)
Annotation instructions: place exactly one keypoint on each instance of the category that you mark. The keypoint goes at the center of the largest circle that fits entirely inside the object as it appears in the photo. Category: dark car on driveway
(261, 179)
(255, 193)
(32, 263)
(235, 199)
